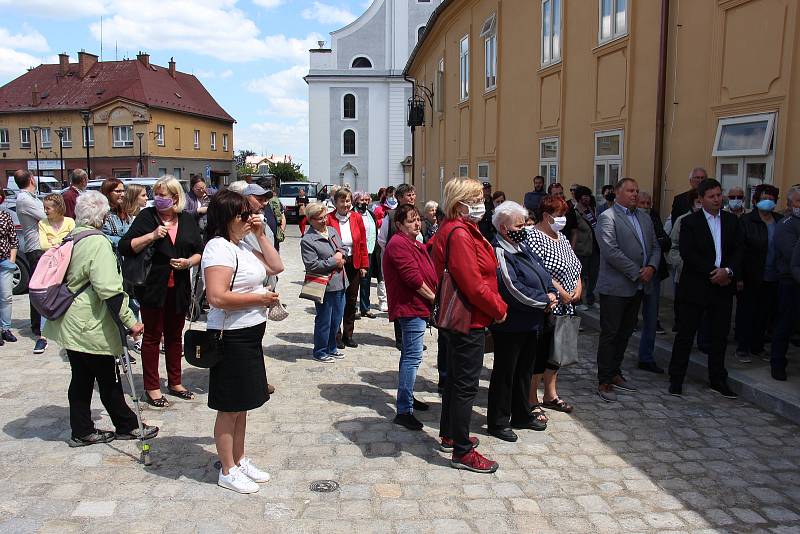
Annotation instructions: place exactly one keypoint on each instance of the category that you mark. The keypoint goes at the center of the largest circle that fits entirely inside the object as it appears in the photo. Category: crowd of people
(519, 273)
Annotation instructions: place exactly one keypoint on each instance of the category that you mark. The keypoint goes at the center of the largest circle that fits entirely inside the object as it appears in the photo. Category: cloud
(14, 63)
(211, 75)
(15, 56)
(268, 3)
(27, 39)
(284, 91)
(57, 9)
(272, 137)
(328, 14)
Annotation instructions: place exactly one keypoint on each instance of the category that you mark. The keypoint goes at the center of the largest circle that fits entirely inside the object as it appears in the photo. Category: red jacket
(473, 266)
(359, 249)
(70, 198)
(406, 265)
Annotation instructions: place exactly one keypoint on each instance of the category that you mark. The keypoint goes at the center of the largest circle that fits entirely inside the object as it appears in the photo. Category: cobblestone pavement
(649, 463)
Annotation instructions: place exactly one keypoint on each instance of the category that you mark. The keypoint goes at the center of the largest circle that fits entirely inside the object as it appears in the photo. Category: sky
(251, 55)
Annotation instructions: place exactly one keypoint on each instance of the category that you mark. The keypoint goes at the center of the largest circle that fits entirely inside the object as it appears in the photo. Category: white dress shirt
(345, 233)
(715, 225)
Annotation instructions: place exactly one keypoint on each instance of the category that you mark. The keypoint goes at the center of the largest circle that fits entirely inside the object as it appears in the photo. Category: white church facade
(358, 98)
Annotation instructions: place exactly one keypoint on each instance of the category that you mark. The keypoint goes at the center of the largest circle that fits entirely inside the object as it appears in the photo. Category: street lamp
(61, 131)
(86, 115)
(141, 163)
(36, 149)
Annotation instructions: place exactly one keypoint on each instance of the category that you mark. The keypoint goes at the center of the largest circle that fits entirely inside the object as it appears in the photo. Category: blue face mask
(766, 205)
(736, 203)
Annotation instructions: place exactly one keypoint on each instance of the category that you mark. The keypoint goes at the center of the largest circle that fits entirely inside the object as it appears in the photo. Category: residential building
(134, 108)
(593, 90)
(358, 97)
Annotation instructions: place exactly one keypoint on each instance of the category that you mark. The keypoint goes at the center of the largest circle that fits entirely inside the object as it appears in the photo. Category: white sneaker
(253, 473)
(337, 355)
(384, 306)
(237, 481)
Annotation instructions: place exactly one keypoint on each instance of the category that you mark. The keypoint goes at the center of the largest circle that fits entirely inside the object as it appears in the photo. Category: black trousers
(754, 311)
(36, 318)
(464, 365)
(441, 360)
(510, 384)
(717, 309)
(350, 299)
(617, 321)
(86, 369)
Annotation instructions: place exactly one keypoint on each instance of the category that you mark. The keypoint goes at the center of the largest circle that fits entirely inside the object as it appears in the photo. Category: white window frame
(66, 139)
(490, 62)
(484, 165)
(213, 140)
(161, 134)
(608, 160)
(439, 88)
(747, 184)
(744, 119)
(5, 139)
(197, 139)
(355, 142)
(615, 31)
(90, 130)
(463, 171)
(122, 141)
(463, 71)
(224, 142)
(547, 164)
(549, 40)
(25, 137)
(355, 107)
(45, 139)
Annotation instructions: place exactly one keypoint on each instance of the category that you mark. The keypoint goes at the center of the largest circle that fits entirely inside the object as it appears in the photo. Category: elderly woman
(361, 202)
(165, 296)
(324, 254)
(528, 290)
(234, 278)
(118, 220)
(460, 248)
(411, 281)
(90, 330)
(54, 228)
(9, 245)
(554, 250)
(430, 220)
(197, 200)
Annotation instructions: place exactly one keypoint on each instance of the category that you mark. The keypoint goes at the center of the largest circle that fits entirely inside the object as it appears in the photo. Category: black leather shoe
(506, 434)
(779, 374)
(421, 406)
(98, 436)
(347, 342)
(723, 389)
(368, 315)
(339, 344)
(530, 424)
(408, 420)
(651, 367)
(676, 389)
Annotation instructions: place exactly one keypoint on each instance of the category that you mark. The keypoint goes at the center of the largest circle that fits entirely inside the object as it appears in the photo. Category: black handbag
(204, 348)
(135, 269)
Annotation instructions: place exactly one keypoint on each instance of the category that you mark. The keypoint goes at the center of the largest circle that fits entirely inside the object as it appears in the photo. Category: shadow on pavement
(183, 456)
(48, 423)
(287, 353)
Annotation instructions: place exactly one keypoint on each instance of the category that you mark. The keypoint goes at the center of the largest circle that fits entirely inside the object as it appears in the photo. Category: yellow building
(589, 91)
(143, 120)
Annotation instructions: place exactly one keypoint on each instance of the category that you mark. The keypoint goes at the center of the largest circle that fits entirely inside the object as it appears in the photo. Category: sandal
(558, 405)
(539, 414)
(183, 394)
(160, 402)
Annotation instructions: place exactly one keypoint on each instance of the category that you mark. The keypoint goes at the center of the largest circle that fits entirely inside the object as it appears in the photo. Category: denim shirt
(115, 228)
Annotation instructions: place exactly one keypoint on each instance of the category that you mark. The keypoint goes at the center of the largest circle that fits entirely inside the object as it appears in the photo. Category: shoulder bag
(203, 348)
(315, 285)
(451, 311)
(136, 268)
(564, 348)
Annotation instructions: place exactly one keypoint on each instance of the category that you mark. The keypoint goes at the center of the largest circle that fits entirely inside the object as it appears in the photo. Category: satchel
(314, 287)
(564, 349)
(451, 311)
(204, 348)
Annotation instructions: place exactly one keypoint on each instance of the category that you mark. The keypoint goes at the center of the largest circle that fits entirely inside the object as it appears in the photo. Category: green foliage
(287, 172)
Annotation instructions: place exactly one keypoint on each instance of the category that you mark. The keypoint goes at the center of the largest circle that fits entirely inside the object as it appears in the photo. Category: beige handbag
(278, 312)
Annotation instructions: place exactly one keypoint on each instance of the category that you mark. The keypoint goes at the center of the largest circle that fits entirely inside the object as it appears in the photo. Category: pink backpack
(47, 290)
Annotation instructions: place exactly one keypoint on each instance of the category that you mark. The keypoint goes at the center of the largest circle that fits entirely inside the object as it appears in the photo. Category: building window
(160, 134)
(607, 158)
(613, 19)
(213, 140)
(25, 137)
(750, 135)
(66, 137)
(489, 33)
(349, 106)
(349, 143)
(548, 159)
(361, 63)
(483, 172)
(87, 134)
(5, 140)
(420, 32)
(225, 142)
(176, 172)
(44, 135)
(162, 171)
(197, 139)
(123, 136)
(177, 141)
(463, 55)
(439, 87)
(121, 173)
(463, 171)
(551, 32)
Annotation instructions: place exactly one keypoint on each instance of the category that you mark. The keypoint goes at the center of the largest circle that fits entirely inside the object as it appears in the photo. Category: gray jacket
(317, 253)
(30, 211)
(621, 254)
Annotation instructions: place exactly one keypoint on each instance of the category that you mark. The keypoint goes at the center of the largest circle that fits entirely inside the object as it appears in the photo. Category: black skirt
(239, 381)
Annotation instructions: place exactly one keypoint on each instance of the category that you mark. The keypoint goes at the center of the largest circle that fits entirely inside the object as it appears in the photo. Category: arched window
(349, 143)
(349, 106)
(420, 31)
(362, 63)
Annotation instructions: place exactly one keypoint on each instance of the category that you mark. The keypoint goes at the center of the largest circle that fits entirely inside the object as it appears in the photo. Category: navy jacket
(524, 285)
(787, 233)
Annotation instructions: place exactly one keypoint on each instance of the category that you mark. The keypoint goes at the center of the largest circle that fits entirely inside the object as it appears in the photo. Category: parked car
(287, 193)
(23, 273)
(47, 185)
(147, 182)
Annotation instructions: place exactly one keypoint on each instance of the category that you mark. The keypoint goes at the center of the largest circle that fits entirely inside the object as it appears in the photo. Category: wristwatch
(730, 272)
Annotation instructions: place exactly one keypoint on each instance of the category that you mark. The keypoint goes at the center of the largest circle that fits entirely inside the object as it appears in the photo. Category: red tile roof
(131, 79)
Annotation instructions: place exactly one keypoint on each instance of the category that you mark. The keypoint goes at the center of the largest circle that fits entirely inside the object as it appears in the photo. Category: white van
(47, 184)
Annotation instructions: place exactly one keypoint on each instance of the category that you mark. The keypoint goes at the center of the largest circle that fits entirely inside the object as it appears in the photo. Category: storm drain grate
(324, 486)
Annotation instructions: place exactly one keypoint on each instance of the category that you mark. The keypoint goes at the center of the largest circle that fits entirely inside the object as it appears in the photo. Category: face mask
(796, 212)
(163, 204)
(517, 236)
(529, 227)
(391, 202)
(736, 203)
(361, 208)
(558, 223)
(766, 205)
(476, 211)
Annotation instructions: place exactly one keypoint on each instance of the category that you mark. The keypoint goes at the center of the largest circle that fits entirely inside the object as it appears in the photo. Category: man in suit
(711, 254)
(629, 258)
(682, 203)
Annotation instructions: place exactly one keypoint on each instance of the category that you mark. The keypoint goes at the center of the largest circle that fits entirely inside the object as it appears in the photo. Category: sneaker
(660, 329)
(408, 420)
(237, 481)
(98, 436)
(149, 433)
(137, 345)
(607, 393)
(473, 461)
(368, 315)
(8, 336)
(252, 472)
(723, 389)
(325, 358)
(743, 356)
(41, 344)
(447, 444)
(337, 355)
(384, 307)
(619, 382)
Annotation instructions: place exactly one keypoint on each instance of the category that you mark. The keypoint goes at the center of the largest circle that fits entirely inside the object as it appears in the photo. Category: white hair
(91, 209)
(793, 191)
(645, 194)
(735, 188)
(695, 170)
(506, 211)
(238, 186)
(431, 204)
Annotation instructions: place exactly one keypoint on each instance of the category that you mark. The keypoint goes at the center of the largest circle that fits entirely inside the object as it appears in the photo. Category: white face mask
(558, 223)
(476, 211)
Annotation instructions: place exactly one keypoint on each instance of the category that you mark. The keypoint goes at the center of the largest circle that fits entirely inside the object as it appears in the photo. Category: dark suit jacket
(698, 254)
(680, 205)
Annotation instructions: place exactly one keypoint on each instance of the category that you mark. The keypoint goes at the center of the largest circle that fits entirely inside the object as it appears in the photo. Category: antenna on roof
(116, 51)
(101, 38)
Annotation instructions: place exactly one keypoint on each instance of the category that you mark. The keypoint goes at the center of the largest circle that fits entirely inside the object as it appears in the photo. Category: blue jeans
(410, 358)
(788, 310)
(327, 321)
(6, 294)
(649, 321)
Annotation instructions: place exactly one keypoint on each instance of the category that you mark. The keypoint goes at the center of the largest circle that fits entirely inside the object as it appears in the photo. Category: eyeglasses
(245, 215)
(736, 197)
(119, 191)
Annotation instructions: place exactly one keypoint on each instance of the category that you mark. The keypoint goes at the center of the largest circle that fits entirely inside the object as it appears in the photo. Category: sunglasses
(245, 215)
(120, 191)
(736, 197)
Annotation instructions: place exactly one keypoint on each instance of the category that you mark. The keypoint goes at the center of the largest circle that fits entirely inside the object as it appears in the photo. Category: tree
(242, 167)
(286, 171)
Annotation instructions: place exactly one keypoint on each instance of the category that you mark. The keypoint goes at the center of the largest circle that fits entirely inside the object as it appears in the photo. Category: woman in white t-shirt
(234, 277)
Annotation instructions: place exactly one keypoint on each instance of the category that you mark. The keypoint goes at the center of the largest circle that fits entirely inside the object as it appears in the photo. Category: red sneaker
(473, 461)
(447, 444)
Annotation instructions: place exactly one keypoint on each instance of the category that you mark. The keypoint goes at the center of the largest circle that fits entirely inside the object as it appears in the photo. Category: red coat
(359, 250)
(473, 266)
(406, 266)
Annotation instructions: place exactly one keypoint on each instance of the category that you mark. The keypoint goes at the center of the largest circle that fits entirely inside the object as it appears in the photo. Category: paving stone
(95, 509)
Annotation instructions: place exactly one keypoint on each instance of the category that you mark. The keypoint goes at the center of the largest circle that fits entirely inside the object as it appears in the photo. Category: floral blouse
(8, 235)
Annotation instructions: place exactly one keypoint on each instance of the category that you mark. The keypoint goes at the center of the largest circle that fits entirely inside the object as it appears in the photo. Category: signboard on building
(44, 165)
(208, 171)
